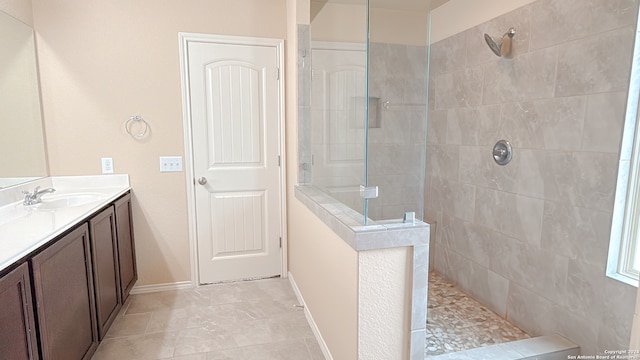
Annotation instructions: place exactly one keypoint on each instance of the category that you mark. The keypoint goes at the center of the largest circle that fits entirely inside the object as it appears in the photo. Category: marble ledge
(348, 223)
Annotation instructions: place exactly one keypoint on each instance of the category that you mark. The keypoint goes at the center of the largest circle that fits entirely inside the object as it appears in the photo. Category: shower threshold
(456, 322)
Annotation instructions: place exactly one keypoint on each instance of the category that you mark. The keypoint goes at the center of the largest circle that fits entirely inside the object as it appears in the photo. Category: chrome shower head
(492, 44)
(503, 49)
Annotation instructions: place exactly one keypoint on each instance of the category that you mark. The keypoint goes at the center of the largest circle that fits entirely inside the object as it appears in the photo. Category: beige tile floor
(457, 322)
(244, 320)
(257, 320)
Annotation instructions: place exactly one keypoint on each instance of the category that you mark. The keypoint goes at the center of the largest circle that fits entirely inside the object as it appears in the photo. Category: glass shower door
(337, 57)
(367, 63)
(397, 79)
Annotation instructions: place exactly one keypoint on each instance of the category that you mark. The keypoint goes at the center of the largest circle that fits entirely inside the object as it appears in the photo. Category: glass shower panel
(338, 102)
(398, 77)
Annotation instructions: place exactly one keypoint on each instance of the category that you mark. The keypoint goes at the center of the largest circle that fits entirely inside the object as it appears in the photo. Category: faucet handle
(29, 193)
(28, 197)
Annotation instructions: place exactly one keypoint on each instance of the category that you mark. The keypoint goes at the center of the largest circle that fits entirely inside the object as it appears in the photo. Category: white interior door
(235, 121)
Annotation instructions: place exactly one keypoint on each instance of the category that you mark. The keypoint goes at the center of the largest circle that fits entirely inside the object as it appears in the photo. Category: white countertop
(24, 229)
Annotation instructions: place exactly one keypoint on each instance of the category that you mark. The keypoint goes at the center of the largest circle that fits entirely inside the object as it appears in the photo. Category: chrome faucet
(34, 198)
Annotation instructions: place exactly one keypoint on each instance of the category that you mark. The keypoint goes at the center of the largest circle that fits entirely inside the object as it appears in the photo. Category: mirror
(22, 150)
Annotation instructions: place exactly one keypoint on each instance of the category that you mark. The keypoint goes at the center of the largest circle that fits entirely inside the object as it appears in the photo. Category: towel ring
(144, 130)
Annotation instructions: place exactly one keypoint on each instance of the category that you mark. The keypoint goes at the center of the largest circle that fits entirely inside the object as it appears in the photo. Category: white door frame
(184, 39)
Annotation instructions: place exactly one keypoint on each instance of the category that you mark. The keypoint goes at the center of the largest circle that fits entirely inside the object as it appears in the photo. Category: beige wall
(341, 23)
(19, 9)
(399, 26)
(298, 12)
(326, 271)
(104, 61)
(348, 23)
(458, 15)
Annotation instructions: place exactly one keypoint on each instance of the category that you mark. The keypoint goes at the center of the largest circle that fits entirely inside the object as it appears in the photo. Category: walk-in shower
(529, 238)
(366, 88)
(526, 237)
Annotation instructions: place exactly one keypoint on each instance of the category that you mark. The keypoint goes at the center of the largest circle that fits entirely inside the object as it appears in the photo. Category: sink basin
(68, 200)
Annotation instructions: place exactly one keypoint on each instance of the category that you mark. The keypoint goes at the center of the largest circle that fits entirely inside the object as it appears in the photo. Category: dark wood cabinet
(64, 297)
(106, 274)
(126, 246)
(17, 330)
(61, 300)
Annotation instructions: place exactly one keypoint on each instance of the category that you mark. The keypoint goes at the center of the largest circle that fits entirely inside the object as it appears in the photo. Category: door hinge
(280, 242)
(279, 163)
(277, 73)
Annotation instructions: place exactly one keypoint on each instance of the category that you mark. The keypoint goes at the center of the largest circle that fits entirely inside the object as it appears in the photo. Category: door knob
(202, 180)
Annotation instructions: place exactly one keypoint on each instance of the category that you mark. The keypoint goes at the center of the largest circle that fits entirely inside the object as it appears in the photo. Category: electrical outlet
(107, 165)
(170, 163)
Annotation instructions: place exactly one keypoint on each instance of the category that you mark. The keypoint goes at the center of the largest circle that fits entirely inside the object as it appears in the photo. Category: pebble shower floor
(456, 322)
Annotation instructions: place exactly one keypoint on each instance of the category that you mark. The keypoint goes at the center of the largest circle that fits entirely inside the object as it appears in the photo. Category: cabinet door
(17, 330)
(104, 252)
(64, 294)
(126, 245)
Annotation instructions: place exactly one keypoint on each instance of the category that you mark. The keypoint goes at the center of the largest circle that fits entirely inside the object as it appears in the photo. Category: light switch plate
(170, 163)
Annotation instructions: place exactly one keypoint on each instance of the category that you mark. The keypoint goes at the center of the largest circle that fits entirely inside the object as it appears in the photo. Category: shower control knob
(502, 152)
(202, 180)
(499, 152)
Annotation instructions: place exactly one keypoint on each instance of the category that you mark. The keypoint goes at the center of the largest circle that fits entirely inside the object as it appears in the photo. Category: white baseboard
(144, 289)
(312, 323)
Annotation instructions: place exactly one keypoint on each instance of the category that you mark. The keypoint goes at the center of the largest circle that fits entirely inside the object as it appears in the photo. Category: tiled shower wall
(396, 149)
(530, 239)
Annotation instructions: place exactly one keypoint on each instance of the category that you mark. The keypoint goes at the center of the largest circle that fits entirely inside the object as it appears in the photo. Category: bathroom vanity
(67, 265)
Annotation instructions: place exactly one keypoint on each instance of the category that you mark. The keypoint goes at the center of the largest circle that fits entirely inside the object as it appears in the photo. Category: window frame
(625, 223)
